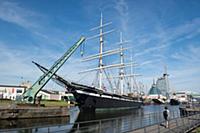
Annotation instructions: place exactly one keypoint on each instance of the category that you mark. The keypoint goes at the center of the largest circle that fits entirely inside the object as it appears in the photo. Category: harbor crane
(29, 96)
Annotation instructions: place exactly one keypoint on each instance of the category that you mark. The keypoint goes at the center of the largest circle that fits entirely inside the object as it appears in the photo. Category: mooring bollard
(78, 126)
(145, 129)
(149, 119)
(173, 114)
(158, 128)
(100, 126)
(176, 123)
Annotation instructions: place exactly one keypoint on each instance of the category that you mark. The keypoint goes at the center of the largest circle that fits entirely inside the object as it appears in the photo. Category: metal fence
(141, 124)
(122, 124)
(177, 125)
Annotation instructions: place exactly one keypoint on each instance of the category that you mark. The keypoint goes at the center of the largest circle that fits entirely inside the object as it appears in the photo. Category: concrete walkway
(178, 125)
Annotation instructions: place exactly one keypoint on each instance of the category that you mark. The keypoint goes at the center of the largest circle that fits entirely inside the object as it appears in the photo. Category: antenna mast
(166, 79)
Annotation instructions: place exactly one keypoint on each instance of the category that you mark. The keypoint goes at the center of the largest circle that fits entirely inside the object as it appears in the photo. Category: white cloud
(14, 65)
(189, 55)
(35, 22)
(185, 78)
(152, 49)
(13, 13)
(122, 8)
(148, 44)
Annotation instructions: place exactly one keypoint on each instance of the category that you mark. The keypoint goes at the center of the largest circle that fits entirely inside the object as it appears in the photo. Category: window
(64, 98)
(71, 98)
(19, 91)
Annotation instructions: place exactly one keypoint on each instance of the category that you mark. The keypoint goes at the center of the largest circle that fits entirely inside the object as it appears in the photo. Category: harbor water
(114, 121)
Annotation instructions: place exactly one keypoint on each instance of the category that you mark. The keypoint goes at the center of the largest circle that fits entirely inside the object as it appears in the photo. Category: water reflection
(122, 120)
(101, 122)
(41, 124)
(88, 116)
(25, 123)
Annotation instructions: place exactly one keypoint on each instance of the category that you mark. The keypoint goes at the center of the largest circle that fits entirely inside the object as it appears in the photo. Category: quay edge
(29, 112)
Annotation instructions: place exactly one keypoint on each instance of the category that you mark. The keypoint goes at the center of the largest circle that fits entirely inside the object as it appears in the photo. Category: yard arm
(29, 95)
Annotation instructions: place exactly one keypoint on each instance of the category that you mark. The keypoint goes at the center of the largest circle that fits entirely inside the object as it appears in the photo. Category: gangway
(29, 96)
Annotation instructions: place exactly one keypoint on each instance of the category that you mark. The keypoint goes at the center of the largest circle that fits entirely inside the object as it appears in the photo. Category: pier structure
(30, 112)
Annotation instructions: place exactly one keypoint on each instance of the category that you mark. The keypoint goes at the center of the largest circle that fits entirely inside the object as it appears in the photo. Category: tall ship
(96, 96)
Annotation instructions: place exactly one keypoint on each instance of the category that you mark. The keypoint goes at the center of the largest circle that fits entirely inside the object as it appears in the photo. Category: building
(155, 93)
(183, 97)
(196, 97)
(56, 95)
(12, 92)
(49, 95)
(163, 85)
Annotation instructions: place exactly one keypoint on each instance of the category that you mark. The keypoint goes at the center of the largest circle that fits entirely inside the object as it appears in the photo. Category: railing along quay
(176, 125)
(150, 123)
(112, 125)
(121, 124)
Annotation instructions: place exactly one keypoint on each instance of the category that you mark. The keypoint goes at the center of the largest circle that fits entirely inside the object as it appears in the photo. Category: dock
(21, 112)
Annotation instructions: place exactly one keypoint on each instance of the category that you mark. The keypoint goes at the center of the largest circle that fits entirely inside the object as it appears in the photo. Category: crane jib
(30, 95)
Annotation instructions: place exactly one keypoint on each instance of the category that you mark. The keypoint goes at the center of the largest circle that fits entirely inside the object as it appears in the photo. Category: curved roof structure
(154, 90)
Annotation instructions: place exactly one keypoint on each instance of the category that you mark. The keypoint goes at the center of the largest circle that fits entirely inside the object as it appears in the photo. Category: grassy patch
(197, 130)
(54, 103)
(6, 102)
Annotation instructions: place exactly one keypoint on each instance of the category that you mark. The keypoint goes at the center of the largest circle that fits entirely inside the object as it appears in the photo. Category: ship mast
(122, 74)
(100, 69)
(132, 71)
(100, 53)
(122, 68)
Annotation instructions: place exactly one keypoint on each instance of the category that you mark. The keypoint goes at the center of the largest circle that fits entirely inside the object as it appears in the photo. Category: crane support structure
(29, 96)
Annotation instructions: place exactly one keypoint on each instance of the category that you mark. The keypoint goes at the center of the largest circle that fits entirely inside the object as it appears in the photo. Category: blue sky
(161, 33)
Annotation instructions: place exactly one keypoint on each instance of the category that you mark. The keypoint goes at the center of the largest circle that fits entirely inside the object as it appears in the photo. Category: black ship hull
(174, 102)
(90, 102)
(90, 98)
(158, 101)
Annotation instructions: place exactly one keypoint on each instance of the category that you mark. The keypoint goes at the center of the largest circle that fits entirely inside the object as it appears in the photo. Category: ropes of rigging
(109, 81)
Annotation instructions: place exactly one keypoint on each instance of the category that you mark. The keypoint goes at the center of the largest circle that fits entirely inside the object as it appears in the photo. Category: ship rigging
(95, 97)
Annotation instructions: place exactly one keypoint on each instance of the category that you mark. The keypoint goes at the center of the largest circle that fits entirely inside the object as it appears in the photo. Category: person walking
(166, 117)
